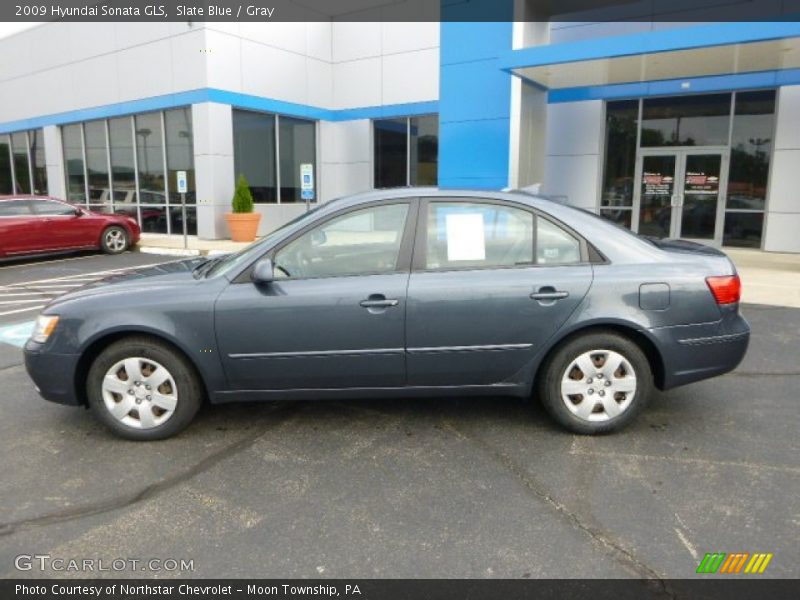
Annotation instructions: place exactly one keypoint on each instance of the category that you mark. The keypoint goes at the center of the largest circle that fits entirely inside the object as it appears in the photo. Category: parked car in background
(42, 225)
(393, 293)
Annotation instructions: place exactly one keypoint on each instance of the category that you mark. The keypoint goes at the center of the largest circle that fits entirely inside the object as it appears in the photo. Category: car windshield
(232, 262)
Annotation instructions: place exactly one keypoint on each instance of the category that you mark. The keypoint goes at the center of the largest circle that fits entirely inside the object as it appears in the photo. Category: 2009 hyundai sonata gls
(414, 292)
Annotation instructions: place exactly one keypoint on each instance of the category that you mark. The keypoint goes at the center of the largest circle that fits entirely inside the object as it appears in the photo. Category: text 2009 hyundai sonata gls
(395, 293)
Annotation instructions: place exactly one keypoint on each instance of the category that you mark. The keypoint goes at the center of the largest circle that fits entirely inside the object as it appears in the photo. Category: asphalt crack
(146, 493)
(620, 553)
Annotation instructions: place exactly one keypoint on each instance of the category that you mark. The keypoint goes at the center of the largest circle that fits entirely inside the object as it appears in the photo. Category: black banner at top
(401, 10)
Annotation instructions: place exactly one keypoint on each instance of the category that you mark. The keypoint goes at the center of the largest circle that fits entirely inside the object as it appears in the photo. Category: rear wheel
(142, 389)
(596, 383)
(114, 240)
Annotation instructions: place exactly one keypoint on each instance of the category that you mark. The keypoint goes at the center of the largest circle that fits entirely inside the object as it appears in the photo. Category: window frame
(404, 256)
(419, 258)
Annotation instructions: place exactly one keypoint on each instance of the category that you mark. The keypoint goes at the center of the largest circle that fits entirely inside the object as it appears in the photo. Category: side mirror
(264, 271)
(78, 212)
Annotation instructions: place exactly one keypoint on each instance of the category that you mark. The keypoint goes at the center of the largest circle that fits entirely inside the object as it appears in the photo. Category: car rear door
(18, 227)
(335, 315)
(484, 296)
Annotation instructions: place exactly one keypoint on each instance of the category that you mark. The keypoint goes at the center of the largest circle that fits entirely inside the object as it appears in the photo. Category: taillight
(726, 289)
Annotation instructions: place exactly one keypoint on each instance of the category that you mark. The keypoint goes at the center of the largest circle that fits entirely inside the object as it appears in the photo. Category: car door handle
(549, 295)
(375, 302)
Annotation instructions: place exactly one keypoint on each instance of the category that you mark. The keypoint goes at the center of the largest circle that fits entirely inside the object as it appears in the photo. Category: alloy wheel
(115, 240)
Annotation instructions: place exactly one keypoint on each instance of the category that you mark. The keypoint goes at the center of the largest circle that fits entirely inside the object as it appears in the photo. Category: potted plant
(242, 221)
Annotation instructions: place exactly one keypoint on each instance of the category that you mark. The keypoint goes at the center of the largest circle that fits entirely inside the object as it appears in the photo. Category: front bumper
(695, 352)
(53, 374)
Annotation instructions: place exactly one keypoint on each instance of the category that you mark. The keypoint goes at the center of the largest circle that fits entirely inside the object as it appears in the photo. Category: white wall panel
(352, 41)
(357, 83)
(410, 77)
(145, 68)
(273, 73)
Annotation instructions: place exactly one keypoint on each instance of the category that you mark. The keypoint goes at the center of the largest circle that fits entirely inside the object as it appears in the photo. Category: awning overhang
(673, 54)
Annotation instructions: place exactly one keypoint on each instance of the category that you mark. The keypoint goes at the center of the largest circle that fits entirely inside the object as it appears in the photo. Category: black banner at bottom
(395, 589)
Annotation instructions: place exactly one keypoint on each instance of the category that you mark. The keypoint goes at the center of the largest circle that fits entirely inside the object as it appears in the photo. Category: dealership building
(670, 128)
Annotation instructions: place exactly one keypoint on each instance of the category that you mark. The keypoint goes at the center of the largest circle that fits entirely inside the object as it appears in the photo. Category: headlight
(45, 325)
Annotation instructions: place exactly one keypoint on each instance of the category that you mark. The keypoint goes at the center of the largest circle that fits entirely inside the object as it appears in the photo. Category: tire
(140, 412)
(596, 405)
(114, 240)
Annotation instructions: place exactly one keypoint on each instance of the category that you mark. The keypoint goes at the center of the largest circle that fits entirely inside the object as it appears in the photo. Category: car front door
(61, 227)
(334, 315)
(491, 283)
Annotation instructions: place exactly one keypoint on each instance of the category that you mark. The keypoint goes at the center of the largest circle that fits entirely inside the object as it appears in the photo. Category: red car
(42, 225)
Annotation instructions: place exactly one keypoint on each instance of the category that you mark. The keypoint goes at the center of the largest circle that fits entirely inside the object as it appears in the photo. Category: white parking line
(41, 291)
(14, 312)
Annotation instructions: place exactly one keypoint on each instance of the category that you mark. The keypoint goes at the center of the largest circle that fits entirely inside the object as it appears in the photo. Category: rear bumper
(53, 374)
(695, 352)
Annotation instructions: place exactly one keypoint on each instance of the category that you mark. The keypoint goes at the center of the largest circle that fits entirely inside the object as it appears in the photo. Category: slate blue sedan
(398, 293)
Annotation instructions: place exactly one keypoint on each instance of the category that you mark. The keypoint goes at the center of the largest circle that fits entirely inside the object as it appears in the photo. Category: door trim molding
(483, 348)
(318, 353)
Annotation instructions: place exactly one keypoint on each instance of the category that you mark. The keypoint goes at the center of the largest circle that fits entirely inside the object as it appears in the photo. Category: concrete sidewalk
(767, 277)
(159, 243)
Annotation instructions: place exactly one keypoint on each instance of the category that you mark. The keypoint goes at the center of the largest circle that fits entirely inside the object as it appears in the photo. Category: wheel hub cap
(598, 385)
(139, 392)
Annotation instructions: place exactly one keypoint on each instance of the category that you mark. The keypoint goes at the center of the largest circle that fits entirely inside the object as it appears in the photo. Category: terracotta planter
(243, 226)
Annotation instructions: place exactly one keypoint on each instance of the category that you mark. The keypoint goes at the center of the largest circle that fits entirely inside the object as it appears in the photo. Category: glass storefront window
(406, 151)
(123, 175)
(622, 121)
(254, 153)
(6, 183)
(297, 145)
(751, 148)
(72, 142)
(150, 158)
(38, 164)
(180, 157)
(22, 173)
(94, 135)
(126, 155)
(424, 145)
(391, 153)
(686, 120)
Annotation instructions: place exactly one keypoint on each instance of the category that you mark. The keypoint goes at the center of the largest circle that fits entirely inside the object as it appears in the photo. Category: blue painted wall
(474, 95)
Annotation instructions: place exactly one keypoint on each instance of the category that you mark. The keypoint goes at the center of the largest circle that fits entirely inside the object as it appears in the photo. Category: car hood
(151, 278)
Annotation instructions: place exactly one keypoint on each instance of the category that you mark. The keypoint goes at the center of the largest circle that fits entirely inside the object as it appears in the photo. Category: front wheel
(114, 240)
(142, 389)
(596, 383)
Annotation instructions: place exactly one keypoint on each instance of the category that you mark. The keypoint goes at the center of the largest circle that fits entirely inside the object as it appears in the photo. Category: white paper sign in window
(465, 240)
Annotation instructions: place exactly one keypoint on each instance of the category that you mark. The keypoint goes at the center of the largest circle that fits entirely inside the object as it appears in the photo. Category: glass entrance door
(680, 194)
(699, 199)
(657, 194)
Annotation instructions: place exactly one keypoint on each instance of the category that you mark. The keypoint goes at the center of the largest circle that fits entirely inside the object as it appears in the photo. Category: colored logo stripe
(733, 563)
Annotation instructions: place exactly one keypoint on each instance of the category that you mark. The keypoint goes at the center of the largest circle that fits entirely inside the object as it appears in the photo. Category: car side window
(365, 241)
(48, 208)
(555, 245)
(478, 235)
(14, 208)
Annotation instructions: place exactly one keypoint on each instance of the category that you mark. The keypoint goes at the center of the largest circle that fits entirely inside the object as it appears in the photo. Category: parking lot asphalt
(411, 488)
